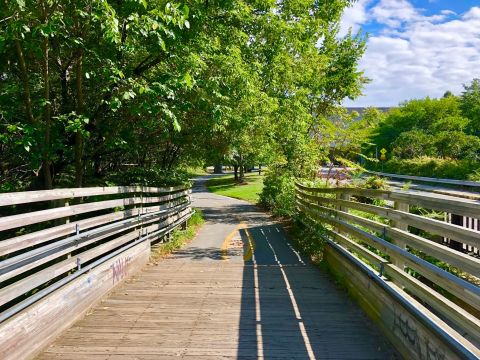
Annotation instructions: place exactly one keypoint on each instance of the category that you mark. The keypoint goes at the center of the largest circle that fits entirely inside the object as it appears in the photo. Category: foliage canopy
(93, 87)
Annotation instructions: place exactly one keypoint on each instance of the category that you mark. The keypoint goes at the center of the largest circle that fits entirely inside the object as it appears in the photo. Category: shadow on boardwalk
(292, 310)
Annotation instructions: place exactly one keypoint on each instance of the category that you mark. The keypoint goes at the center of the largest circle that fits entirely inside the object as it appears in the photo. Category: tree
(105, 84)
(470, 106)
(414, 143)
(424, 127)
(78, 63)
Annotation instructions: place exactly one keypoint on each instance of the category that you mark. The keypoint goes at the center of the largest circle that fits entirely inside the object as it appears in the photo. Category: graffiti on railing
(119, 268)
(406, 328)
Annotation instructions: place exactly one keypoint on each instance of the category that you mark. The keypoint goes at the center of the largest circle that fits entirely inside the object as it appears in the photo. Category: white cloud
(394, 13)
(354, 16)
(418, 56)
(448, 12)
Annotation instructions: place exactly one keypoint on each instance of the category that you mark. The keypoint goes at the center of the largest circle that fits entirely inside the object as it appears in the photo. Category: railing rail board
(25, 219)
(461, 183)
(40, 258)
(394, 240)
(11, 245)
(441, 252)
(468, 236)
(25, 197)
(26, 261)
(439, 202)
(457, 286)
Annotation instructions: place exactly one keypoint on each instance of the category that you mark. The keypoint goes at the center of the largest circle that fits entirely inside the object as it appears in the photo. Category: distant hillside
(361, 110)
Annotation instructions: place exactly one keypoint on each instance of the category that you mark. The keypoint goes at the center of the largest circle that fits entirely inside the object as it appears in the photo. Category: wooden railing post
(343, 196)
(338, 207)
(405, 207)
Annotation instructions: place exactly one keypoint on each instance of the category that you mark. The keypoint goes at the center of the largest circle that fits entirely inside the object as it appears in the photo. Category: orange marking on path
(228, 238)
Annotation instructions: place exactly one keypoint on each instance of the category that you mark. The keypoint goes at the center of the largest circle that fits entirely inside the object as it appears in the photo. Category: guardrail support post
(405, 207)
(341, 196)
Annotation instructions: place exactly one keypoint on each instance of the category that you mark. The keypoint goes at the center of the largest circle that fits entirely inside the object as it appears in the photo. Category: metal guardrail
(423, 179)
(385, 242)
(44, 249)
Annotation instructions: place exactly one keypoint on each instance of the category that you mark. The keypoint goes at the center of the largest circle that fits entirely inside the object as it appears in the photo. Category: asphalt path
(232, 228)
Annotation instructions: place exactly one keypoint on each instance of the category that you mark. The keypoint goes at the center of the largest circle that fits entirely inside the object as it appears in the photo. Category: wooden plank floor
(217, 299)
(214, 310)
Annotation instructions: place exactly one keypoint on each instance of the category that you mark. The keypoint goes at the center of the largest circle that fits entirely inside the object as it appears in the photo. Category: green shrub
(278, 194)
(433, 167)
(149, 177)
(309, 237)
(374, 182)
(179, 237)
(475, 176)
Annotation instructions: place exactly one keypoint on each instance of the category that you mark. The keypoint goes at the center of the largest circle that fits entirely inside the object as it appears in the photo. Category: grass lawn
(226, 185)
(194, 172)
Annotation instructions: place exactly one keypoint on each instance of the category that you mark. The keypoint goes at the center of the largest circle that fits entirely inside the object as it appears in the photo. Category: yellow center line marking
(249, 254)
(228, 238)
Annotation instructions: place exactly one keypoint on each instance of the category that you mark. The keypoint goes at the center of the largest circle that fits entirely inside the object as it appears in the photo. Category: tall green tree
(470, 106)
(77, 63)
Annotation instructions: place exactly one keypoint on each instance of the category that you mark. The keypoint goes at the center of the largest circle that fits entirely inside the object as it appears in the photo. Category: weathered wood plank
(410, 336)
(451, 283)
(468, 236)
(24, 262)
(465, 322)
(462, 261)
(28, 332)
(460, 183)
(214, 309)
(38, 237)
(24, 197)
(15, 221)
(440, 202)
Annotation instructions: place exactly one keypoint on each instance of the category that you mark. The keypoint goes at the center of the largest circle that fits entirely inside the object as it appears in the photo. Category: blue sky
(416, 48)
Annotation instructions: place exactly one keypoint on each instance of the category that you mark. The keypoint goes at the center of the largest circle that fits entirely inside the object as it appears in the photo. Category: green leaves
(128, 95)
(188, 80)
(428, 127)
(162, 83)
(21, 4)
(74, 123)
(176, 125)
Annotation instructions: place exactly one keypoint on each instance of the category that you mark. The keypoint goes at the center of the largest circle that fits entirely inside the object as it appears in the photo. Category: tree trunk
(79, 141)
(218, 169)
(47, 113)
(97, 165)
(235, 172)
(260, 169)
(241, 177)
(25, 82)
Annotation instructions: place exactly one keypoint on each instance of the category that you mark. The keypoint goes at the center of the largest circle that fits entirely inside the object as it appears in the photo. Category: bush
(278, 193)
(179, 237)
(149, 177)
(413, 143)
(433, 167)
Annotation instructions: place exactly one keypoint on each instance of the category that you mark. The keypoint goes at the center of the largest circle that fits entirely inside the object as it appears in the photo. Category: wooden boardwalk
(219, 302)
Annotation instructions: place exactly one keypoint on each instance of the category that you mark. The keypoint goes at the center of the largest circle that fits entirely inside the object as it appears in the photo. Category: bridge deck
(215, 300)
